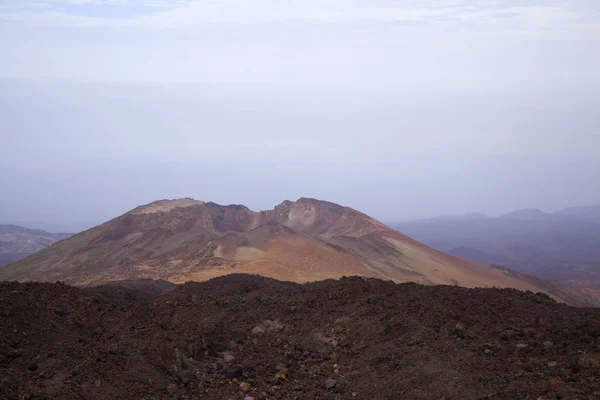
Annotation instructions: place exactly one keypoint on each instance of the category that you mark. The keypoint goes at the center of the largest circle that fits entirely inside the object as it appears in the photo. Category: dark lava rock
(329, 383)
(233, 371)
(186, 375)
(390, 342)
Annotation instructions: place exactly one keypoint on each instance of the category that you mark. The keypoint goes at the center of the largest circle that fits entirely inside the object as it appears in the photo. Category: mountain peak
(185, 239)
(526, 214)
(166, 205)
(312, 200)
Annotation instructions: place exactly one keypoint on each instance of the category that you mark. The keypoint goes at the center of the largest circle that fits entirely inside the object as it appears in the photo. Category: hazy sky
(402, 109)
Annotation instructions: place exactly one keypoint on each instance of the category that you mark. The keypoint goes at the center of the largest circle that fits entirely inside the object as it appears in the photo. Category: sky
(402, 109)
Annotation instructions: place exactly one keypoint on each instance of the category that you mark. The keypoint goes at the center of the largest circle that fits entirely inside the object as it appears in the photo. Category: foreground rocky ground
(245, 336)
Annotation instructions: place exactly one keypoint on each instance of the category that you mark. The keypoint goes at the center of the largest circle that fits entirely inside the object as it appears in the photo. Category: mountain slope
(306, 240)
(17, 242)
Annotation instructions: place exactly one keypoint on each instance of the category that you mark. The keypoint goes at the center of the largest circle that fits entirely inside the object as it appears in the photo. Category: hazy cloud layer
(401, 108)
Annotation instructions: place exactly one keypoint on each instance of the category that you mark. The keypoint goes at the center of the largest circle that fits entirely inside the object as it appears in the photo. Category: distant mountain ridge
(304, 240)
(529, 214)
(17, 242)
(564, 245)
(10, 228)
(589, 213)
(585, 212)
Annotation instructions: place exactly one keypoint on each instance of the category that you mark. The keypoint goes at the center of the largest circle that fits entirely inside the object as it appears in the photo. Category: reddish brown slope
(306, 240)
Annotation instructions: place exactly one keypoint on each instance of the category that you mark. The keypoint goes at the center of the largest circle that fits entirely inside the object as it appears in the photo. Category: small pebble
(245, 387)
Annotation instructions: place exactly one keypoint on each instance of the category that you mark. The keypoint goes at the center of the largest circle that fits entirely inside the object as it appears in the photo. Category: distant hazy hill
(564, 245)
(590, 213)
(17, 242)
(531, 214)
